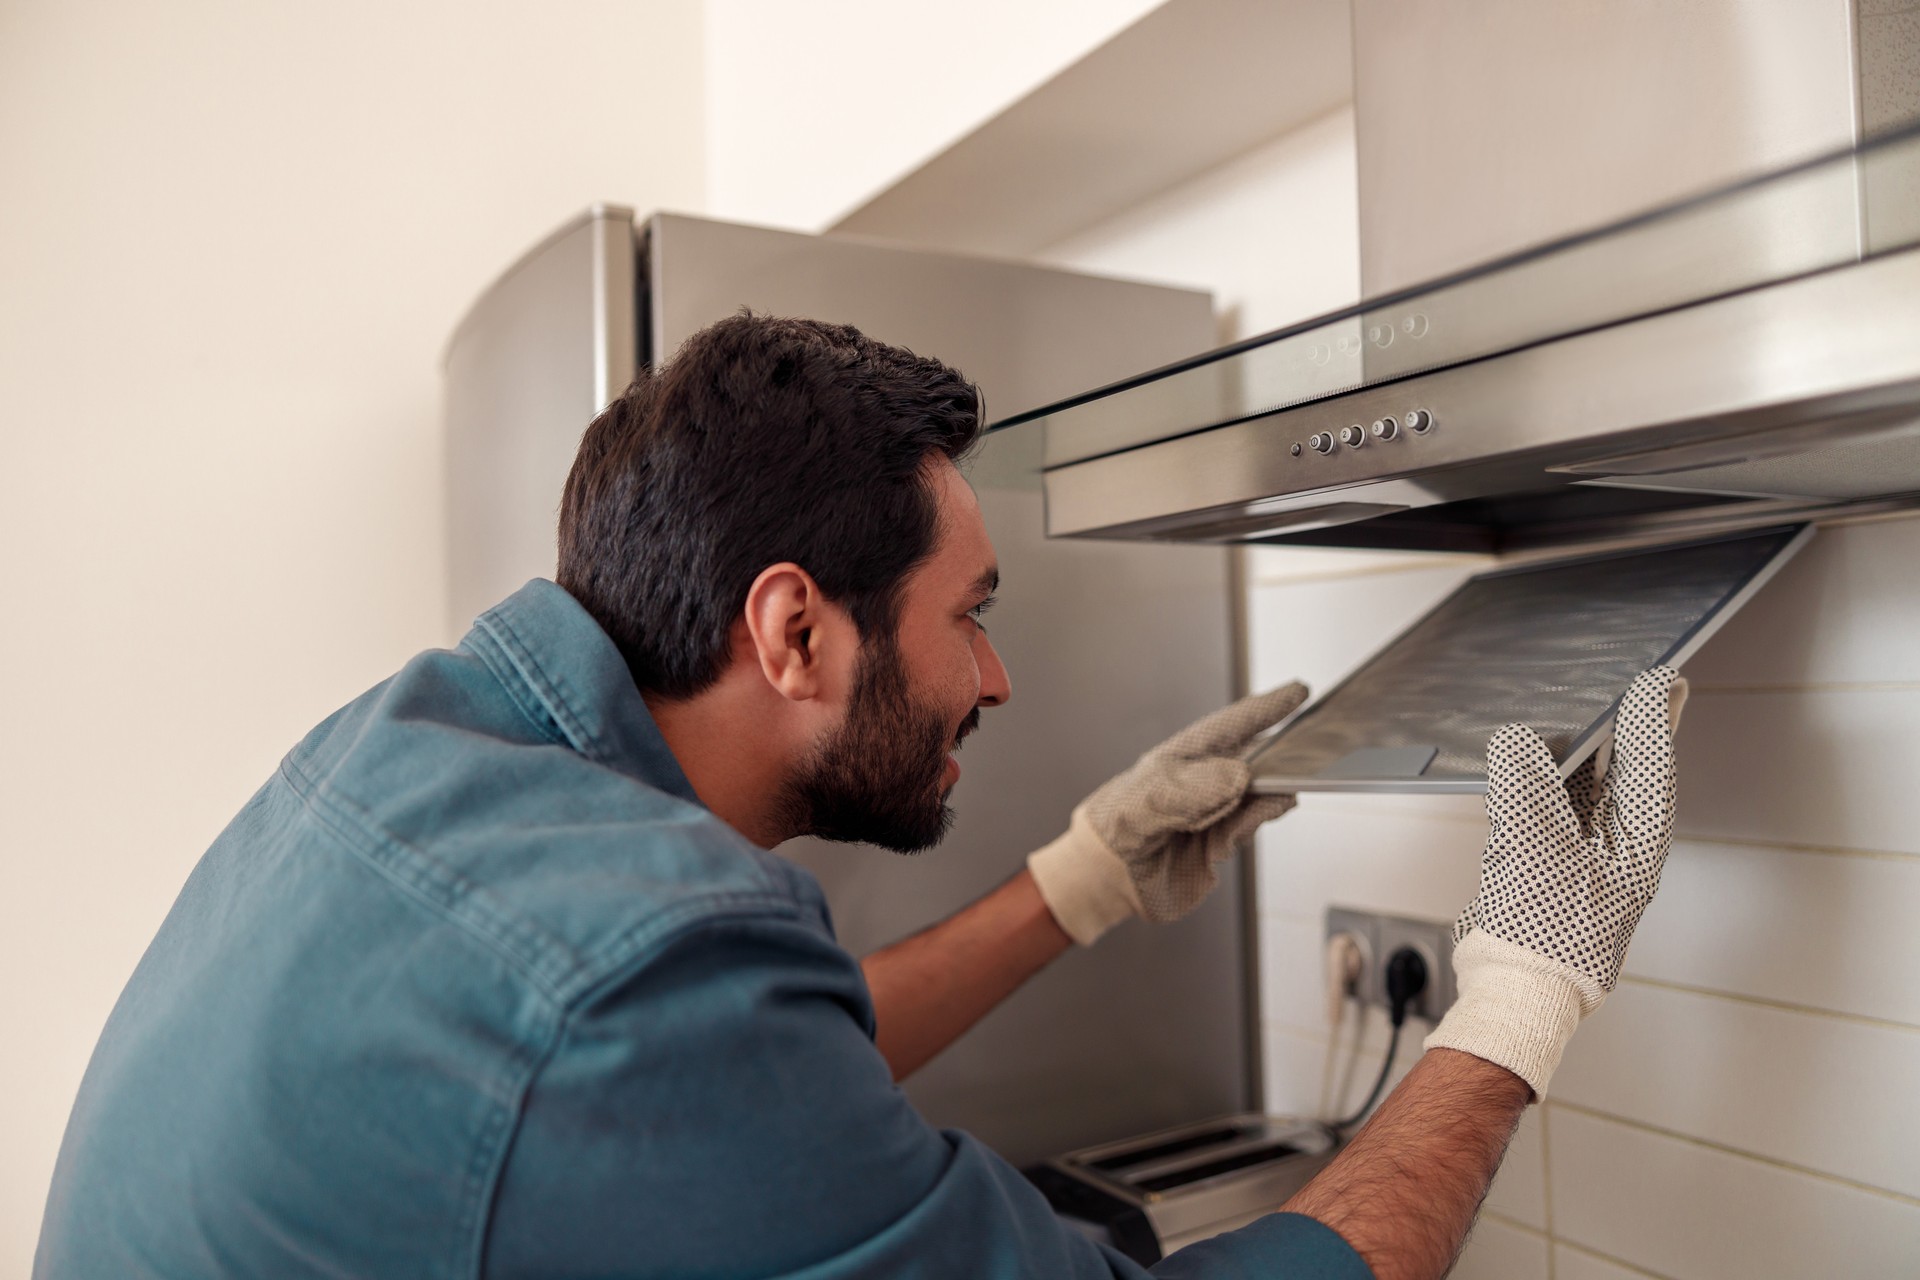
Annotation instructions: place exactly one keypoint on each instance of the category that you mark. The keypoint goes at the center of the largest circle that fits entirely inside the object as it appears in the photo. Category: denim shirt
(474, 986)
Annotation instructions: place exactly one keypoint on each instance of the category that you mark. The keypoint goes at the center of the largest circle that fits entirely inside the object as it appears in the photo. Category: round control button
(1387, 428)
(1419, 421)
(1322, 442)
(1296, 449)
(1354, 436)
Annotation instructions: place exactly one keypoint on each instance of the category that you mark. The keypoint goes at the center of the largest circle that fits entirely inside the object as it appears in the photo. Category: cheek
(959, 685)
(965, 686)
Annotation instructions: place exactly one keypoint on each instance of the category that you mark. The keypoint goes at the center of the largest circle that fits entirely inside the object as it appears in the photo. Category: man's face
(883, 775)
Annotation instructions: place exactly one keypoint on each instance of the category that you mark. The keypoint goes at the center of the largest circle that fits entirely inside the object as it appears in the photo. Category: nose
(995, 685)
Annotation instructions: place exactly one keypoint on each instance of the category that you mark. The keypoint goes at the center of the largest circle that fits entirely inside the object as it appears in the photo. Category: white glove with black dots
(1145, 843)
(1567, 871)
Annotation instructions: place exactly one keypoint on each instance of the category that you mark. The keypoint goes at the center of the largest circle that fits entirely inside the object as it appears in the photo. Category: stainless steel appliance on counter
(1152, 1195)
(1111, 645)
(1744, 361)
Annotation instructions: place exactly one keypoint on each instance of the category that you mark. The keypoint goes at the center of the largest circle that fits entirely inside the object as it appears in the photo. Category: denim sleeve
(722, 1111)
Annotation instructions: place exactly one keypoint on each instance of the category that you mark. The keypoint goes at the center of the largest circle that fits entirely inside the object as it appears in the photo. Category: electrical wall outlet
(1382, 935)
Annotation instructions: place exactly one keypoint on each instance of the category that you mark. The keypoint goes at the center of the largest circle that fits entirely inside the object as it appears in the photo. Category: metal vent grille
(1552, 646)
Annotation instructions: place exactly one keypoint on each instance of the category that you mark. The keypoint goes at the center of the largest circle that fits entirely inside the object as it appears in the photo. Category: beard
(876, 778)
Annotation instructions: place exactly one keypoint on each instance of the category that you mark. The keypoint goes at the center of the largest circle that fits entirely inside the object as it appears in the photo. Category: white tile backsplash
(1500, 1251)
(1693, 1213)
(1519, 1191)
(1804, 626)
(1319, 630)
(1325, 854)
(1297, 1062)
(1834, 932)
(1826, 1093)
(1825, 767)
(1570, 1263)
(1293, 1067)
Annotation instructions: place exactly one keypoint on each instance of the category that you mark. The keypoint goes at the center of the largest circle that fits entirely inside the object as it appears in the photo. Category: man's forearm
(1406, 1189)
(931, 987)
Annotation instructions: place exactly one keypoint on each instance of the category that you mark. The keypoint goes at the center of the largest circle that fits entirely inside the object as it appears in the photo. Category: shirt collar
(565, 672)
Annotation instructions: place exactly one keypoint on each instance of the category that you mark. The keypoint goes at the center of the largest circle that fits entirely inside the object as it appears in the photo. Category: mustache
(967, 726)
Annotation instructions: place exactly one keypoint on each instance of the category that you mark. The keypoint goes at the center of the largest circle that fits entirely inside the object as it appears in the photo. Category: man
(497, 977)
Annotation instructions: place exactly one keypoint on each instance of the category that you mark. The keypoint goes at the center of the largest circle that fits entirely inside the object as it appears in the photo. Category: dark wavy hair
(762, 440)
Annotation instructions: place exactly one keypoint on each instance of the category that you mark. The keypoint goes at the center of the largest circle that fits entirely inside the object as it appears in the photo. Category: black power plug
(1406, 979)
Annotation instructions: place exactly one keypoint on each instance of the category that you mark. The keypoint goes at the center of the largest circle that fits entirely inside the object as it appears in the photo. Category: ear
(791, 627)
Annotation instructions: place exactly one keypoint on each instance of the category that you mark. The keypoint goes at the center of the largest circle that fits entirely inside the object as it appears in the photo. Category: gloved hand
(1146, 842)
(1567, 871)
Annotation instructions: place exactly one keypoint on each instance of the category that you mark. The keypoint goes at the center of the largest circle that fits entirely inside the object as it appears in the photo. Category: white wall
(1745, 1105)
(812, 108)
(1273, 233)
(234, 238)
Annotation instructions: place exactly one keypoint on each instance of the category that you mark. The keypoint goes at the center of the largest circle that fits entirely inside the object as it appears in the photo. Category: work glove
(1146, 842)
(1567, 871)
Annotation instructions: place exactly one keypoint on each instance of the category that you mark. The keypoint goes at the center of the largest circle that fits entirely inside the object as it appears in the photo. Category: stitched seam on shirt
(657, 933)
(430, 880)
(489, 1161)
(559, 704)
(497, 1145)
(619, 954)
(476, 914)
(513, 682)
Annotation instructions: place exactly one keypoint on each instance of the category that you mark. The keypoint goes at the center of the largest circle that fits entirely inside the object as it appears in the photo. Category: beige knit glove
(1567, 871)
(1145, 843)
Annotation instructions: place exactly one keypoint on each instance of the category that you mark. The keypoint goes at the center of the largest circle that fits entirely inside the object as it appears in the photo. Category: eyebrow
(987, 583)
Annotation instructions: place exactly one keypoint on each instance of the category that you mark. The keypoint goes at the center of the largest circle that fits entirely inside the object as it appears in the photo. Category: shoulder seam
(615, 961)
(378, 849)
(560, 972)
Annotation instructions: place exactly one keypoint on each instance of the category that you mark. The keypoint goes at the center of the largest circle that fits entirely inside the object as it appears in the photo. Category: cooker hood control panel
(1353, 435)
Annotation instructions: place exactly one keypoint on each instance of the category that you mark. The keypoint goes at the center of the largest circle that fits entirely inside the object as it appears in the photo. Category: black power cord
(1406, 979)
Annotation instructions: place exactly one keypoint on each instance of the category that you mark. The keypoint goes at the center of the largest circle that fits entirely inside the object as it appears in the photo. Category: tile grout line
(1898, 1197)
(1709, 993)
(1348, 806)
(1494, 1215)
(1622, 1263)
(1546, 1174)
(1819, 686)
(1789, 846)
(1807, 1010)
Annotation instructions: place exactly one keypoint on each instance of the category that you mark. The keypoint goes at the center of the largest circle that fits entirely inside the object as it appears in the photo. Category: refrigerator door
(1111, 646)
(537, 356)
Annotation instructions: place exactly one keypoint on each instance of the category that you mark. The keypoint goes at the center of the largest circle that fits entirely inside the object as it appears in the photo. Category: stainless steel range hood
(1705, 380)
(1743, 358)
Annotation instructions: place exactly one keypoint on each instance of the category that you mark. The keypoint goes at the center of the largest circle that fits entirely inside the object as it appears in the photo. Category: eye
(978, 610)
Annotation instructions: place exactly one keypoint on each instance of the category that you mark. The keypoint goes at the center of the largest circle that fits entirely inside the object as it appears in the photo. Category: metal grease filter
(1553, 646)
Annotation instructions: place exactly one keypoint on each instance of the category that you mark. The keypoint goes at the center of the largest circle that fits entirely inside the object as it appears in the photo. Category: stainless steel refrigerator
(1111, 646)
